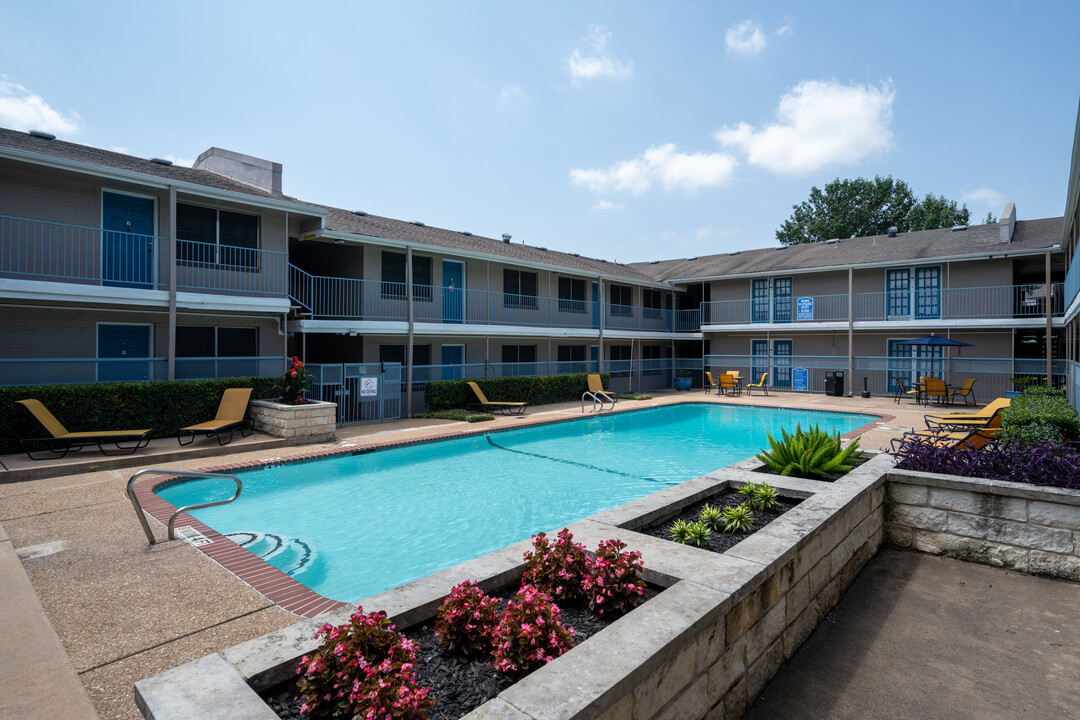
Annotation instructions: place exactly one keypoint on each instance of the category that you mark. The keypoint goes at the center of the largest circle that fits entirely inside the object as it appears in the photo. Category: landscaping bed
(720, 541)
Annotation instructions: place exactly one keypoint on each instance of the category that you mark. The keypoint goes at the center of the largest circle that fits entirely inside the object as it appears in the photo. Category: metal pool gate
(364, 392)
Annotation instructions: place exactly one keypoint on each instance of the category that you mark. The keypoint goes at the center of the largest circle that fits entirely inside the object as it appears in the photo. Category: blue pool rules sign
(799, 379)
(805, 308)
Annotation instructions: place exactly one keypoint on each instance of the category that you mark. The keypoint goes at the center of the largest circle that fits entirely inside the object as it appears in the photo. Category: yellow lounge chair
(760, 385)
(75, 441)
(960, 421)
(975, 438)
(230, 416)
(597, 392)
(512, 408)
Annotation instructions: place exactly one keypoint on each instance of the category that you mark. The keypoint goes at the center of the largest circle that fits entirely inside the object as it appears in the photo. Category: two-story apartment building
(116, 267)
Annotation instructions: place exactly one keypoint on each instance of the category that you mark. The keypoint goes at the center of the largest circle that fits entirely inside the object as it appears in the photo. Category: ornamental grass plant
(811, 453)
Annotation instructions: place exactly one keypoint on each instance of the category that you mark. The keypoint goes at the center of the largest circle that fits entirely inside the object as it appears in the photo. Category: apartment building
(116, 267)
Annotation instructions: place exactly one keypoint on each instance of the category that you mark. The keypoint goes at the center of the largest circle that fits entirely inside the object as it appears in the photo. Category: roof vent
(692, 258)
(161, 161)
(361, 213)
(466, 233)
(575, 254)
(832, 242)
(42, 135)
(782, 247)
(654, 262)
(892, 231)
(542, 248)
(958, 228)
(506, 237)
(602, 260)
(735, 253)
(417, 223)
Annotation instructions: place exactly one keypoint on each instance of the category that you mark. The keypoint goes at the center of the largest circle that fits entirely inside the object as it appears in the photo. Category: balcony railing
(1008, 301)
(65, 371)
(55, 252)
(331, 298)
(1072, 279)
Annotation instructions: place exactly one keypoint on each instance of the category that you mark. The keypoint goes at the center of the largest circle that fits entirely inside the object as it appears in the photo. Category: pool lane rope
(571, 462)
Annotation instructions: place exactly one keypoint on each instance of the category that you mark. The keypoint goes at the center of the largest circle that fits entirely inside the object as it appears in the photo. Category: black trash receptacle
(834, 383)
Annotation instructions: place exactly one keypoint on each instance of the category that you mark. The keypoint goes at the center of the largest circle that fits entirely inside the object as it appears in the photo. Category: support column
(851, 331)
(409, 343)
(1049, 326)
(170, 268)
(600, 346)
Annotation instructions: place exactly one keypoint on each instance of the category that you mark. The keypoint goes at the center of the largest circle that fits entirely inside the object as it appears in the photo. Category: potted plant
(294, 384)
(683, 379)
(1020, 383)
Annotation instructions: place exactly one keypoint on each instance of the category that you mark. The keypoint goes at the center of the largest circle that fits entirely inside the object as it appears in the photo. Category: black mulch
(856, 461)
(461, 683)
(720, 541)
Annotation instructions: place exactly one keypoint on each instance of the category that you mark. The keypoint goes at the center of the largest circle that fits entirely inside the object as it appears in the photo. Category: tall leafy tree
(859, 207)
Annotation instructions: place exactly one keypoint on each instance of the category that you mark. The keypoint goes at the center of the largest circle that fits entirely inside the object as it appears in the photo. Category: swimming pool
(352, 526)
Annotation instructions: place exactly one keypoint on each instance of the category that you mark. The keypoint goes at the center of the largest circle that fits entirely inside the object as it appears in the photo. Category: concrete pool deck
(123, 610)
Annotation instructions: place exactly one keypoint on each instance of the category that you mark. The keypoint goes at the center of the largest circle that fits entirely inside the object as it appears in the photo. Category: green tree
(860, 207)
(934, 212)
(989, 219)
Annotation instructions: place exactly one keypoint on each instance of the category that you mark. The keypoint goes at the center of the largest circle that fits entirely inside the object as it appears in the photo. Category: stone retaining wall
(312, 423)
(703, 648)
(1022, 527)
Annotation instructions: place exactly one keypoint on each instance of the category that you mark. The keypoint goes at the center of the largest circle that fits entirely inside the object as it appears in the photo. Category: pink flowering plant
(467, 619)
(531, 633)
(558, 568)
(294, 383)
(613, 583)
(363, 669)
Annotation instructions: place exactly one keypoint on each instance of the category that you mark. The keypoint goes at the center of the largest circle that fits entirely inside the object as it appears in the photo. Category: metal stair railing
(172, 519)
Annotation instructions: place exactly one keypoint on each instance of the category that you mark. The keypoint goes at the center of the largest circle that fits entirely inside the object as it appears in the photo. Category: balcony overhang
(400, 327)
(60, 293)
(914, 325)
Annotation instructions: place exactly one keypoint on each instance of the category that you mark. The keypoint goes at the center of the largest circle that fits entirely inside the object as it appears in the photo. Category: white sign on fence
(369, 387)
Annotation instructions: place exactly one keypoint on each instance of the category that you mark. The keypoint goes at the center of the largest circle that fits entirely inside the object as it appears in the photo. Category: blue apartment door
(594, 358)
(123, 342)
(453, 356)
(127, 241)
(453, 297)
(781, 363)
(759, 350)
(595, 305)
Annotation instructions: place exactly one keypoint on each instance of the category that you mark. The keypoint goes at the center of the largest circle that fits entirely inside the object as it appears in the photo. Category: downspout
(600, 348)
(409, 344)
(1049, 327)
(851, 331)
(170, 268)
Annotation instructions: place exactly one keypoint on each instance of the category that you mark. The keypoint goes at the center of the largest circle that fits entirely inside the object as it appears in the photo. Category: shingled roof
(381, 227)
(129, 163)
(906, 247)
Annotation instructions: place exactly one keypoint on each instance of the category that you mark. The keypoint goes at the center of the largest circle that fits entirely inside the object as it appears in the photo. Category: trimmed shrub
(456, 414)
(1037, 463)
(467, 620)
(1040, 414)
(613, 583)
(531, 633)
(557, 568)
(535, 390)
(164, 406)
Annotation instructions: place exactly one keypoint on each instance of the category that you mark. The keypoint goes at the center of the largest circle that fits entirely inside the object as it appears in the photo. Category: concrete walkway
(920, 636)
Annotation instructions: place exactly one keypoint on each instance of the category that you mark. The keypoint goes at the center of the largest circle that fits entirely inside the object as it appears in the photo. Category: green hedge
(535, 390)
(163, 406)
(1041, 413)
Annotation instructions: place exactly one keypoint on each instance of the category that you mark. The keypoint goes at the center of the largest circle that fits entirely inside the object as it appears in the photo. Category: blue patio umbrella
(935, 340)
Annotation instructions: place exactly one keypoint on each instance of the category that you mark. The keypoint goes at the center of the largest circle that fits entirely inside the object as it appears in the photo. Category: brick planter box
(1012, 525)
(311, 423)
(702, 648)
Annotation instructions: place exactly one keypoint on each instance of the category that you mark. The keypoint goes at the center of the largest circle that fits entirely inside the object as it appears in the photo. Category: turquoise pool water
(353, 526)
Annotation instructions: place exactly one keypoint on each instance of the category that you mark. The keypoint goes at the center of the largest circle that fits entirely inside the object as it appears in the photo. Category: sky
(627, 131)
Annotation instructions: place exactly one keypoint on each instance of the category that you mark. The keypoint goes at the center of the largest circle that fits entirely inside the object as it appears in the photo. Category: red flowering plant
(467, 619)
(294, 383)
(557, 568)
(613, 582)
(363, 669)
(531, 633)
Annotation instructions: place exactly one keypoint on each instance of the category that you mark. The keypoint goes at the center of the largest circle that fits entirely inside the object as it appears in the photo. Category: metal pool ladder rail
(172, 519)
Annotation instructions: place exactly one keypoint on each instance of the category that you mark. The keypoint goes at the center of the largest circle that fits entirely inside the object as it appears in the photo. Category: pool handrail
(172, 519)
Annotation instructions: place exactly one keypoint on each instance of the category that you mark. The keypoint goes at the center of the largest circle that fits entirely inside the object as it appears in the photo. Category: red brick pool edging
(289, 594)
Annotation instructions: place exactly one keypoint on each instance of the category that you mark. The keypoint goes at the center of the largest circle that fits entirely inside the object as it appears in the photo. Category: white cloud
(746, 38)
(511, 94)
(784, 31)
(597, 62)
(661, 164)
(608, 205)
(819, 123)
(986, 197)
(186, 162)
(20, 109)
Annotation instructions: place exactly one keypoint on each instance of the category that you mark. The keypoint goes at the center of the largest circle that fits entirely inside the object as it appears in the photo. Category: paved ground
(919, 636)
(123, 611)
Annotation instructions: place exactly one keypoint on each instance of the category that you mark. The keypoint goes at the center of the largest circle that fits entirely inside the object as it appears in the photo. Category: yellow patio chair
(727, 382)
(935, 390)
(760, 385)
(902, 391)
(711, 384)
(966, 392)
(511, 408)
(230, 416)
(75, 441)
